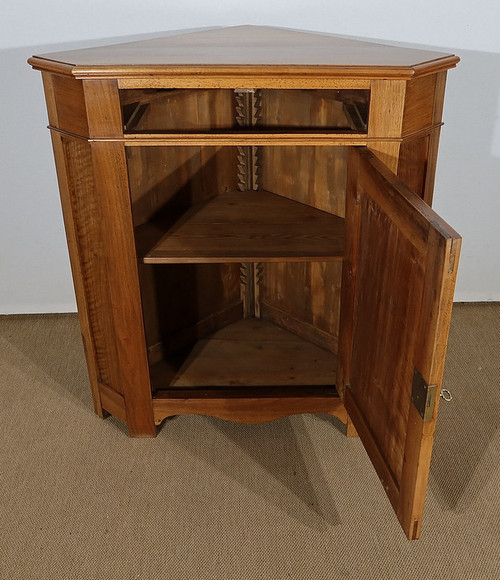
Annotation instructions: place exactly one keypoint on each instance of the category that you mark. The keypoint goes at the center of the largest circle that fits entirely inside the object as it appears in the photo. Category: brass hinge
(423, 396)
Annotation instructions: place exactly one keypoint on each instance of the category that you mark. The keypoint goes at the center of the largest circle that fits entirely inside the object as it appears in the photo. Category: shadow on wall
(468, 172)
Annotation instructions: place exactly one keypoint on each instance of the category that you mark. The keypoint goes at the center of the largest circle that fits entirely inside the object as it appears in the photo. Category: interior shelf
(247, 353)
(251, 226)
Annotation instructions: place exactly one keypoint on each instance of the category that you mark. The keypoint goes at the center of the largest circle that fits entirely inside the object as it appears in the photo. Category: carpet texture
(209, 499)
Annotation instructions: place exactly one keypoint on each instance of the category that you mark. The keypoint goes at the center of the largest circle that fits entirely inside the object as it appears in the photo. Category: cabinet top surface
(255, 49)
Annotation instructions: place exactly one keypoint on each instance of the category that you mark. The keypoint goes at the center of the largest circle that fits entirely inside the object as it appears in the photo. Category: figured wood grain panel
(398, 278)
(66, 108)
(91, 258)
(78, 229)
(413, 163)
(73, 232)
(419, 104)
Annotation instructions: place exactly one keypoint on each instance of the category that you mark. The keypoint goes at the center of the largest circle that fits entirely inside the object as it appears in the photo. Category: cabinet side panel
(423, 112)
(85, 216)
(413, 163)
(419, 104)
(112, 186)
(72, 237)
(69, 112)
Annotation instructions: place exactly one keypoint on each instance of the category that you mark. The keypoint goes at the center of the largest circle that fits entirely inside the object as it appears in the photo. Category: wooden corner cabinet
(248, 214)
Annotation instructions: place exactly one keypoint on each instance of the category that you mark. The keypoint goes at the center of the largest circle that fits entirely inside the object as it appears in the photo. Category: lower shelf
(249, 371)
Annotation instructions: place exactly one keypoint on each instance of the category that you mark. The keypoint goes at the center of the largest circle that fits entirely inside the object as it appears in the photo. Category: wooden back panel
(305, 298)
(169, 110)
(172, 179)
(295, 108)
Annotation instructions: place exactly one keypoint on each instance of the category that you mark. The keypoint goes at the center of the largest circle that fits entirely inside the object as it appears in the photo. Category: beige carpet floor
(208, 499)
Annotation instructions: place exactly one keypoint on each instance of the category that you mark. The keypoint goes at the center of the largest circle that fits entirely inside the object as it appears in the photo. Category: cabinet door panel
(398, 281)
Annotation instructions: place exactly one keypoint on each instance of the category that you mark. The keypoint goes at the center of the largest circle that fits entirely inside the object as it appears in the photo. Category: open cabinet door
(397, 292)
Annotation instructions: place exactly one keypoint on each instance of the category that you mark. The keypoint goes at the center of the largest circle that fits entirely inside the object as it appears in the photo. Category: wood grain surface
(248, 353)
(399, 271)
(224, 51)
(250, 227)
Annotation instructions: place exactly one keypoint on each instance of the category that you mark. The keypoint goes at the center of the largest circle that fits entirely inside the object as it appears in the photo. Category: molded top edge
(252, 49)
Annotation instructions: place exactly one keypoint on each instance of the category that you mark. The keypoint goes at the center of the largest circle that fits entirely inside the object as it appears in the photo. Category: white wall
(34, 268)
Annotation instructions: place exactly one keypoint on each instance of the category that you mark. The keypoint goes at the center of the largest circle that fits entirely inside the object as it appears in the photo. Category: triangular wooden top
(249, 47)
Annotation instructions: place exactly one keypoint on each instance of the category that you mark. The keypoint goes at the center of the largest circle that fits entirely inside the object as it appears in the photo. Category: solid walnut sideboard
(248, 218)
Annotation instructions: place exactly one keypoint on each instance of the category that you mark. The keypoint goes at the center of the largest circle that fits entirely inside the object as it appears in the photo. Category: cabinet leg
(139, 418)
(350, 429)
(143, 432)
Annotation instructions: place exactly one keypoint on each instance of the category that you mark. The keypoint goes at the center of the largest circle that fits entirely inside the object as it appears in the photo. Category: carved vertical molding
(257, 281)
(248, 110)
(250, 282)
(247, 289)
